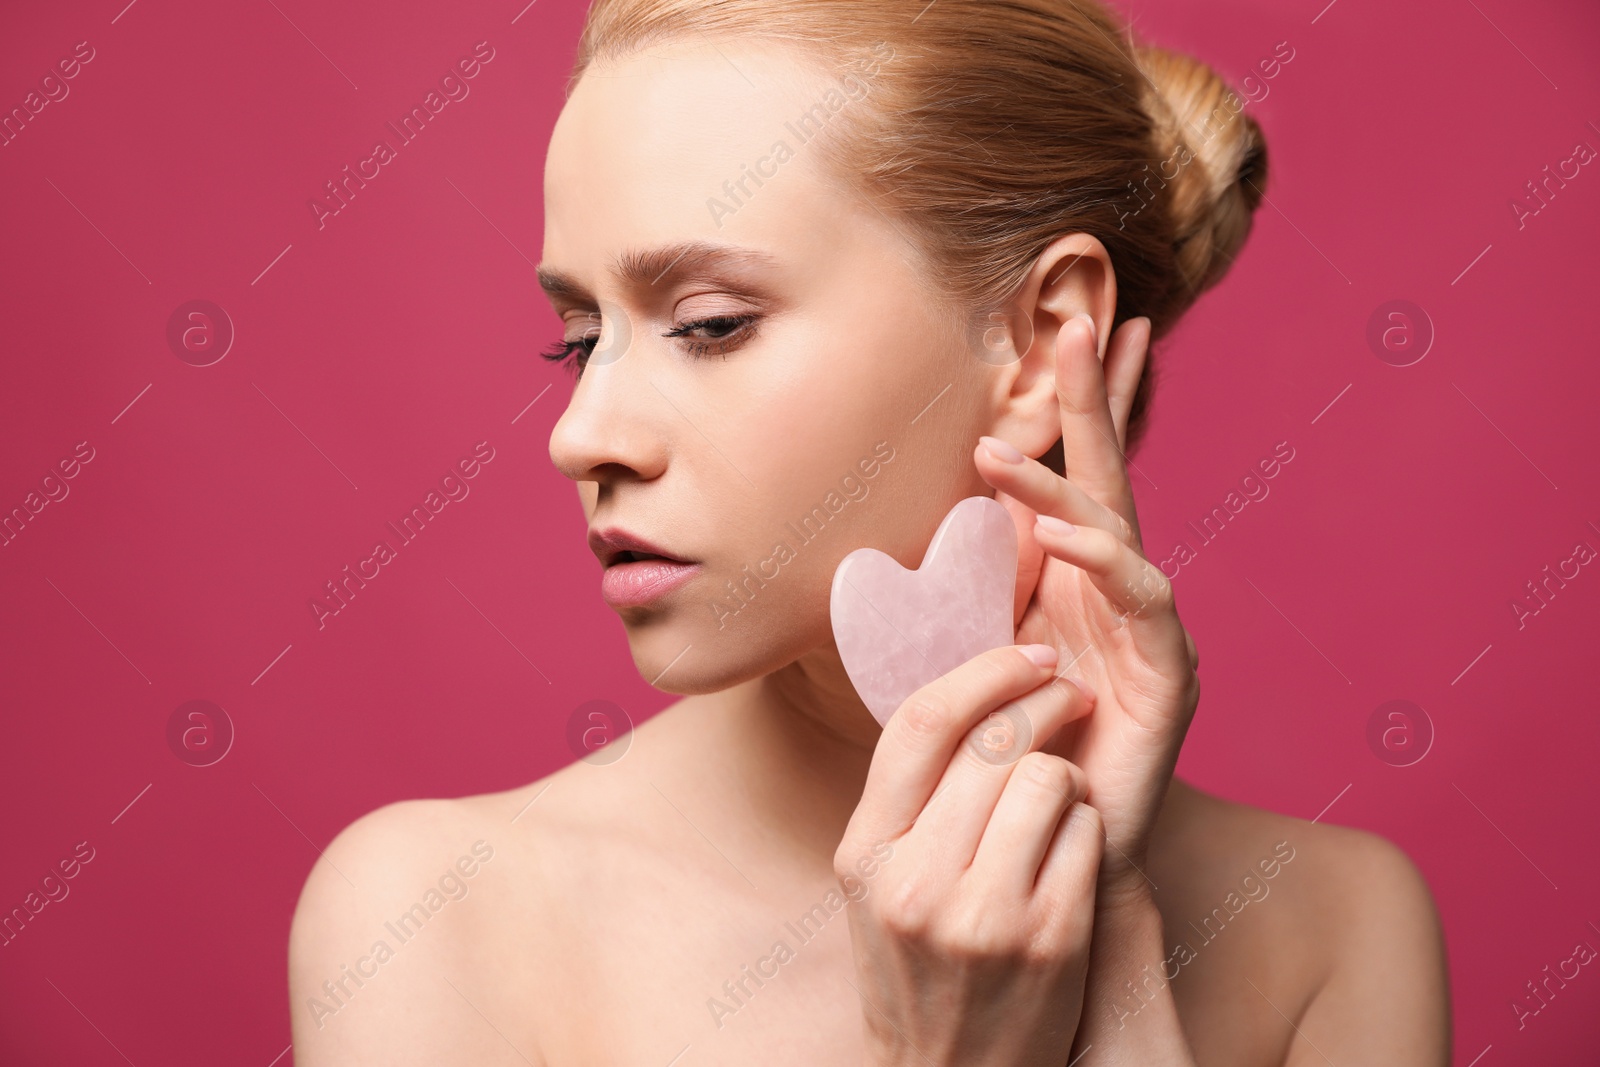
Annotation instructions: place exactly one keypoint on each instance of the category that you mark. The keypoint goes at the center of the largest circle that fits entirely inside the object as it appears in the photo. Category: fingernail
(1042, 655)
(1058, 527)
(1094, 333)
(1002, 450)
(1088, 690)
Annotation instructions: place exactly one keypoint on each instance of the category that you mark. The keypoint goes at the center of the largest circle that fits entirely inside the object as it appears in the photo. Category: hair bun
(1202, 131)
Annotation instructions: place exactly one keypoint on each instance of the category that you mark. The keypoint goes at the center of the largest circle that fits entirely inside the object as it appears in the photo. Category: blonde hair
(996, 126)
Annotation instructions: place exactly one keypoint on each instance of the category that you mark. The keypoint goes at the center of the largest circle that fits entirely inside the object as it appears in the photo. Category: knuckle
(1063, 935)
(906, 909)
(925, 715)
(981, 930)
(1001, 668)
(1123, 528)
(1002, 737)
(1044, 774)
(845, 858)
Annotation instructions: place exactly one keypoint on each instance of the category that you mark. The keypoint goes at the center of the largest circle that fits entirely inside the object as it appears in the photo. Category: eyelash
(741, 328)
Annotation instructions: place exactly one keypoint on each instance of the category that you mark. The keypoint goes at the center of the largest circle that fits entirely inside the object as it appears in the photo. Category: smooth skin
(1008, 873)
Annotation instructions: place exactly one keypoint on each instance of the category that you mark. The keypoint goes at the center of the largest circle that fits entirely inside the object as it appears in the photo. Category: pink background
(372, 354)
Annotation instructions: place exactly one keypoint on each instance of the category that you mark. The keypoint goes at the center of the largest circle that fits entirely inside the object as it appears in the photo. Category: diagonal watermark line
(524, 11)
(707, 840)
(1332, 802)
(1324, 11)
(930, 403)
(529, 804)
(1474, 262)
(281, 1055)
(501, 632)
(490, 221)
(1502, 833)
(703, 437)
(309, 441)
(124, 11)
(132, 402)
(890, 623)
(1290, 1021)
(1298, 230)
(313, 44)
(669, 666)
(1301, 632)
(99, 631)
(532, 402)
(485, 1018)
(131, 803)
(302, 833)
(101, 232)
(1468, 667)
(274, 263)
(274, 663)
(90, 1021)
(890, 1021)
(1502, 433)
(1124, 855)
(1513, 44)
(1480, 1056)
(1332, 402)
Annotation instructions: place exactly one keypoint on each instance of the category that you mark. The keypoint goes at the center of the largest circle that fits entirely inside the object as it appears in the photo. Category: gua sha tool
(898, 630)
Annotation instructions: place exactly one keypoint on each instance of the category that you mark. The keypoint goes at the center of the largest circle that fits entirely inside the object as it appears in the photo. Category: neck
(802, 741)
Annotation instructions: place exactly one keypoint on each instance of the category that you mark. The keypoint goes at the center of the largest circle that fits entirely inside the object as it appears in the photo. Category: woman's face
(835, 402)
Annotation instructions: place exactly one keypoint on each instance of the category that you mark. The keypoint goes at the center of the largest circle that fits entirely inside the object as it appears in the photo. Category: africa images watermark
(856, 84)
(1188, 146)
(339, 592)
(451, 885)
(804, 929)
(812, 525)
(1253, 888)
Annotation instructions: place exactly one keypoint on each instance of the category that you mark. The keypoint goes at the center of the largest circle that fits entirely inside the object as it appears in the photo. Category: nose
(611, 430)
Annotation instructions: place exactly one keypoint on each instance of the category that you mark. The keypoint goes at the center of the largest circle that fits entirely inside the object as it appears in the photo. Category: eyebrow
(648, 267)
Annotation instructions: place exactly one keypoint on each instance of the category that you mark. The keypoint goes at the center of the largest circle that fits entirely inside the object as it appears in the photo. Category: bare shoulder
(385, 949)
(413, 929)
(1335, 927)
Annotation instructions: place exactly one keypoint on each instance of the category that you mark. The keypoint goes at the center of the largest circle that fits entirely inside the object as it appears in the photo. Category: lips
(637, 571)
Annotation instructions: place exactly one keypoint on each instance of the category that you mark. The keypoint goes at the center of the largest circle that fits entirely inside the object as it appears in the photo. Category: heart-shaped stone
(898, 630)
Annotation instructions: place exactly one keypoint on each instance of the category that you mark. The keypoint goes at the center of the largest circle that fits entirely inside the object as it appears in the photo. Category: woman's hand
(1085, 587)
(971, 943)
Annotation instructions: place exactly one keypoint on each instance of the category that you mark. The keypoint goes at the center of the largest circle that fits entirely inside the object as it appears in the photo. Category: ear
(1071, 276)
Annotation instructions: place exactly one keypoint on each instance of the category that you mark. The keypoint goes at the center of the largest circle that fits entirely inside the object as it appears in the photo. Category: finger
(1071, 865)
(1023, 824)
(1124, 366)
(1132, 584)
(952, 824)
(1042, 490)
(1030, 557)
(922, 734)
(1094, 461)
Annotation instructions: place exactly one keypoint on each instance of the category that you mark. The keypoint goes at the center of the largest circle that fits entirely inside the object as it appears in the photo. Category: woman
(825, 269)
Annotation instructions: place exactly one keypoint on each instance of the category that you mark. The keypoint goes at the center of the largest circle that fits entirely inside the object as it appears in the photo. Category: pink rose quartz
(898, 630)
